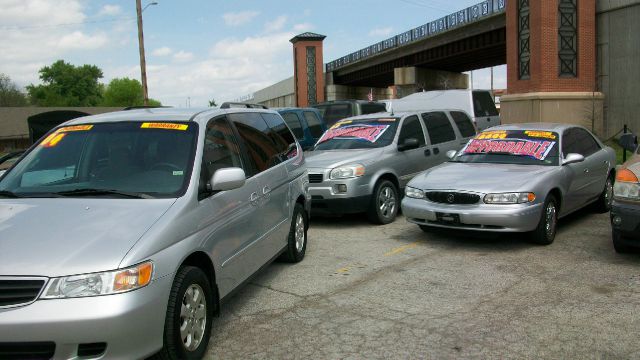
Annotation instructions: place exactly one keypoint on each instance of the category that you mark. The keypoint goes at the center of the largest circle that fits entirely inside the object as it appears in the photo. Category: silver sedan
(515, 178)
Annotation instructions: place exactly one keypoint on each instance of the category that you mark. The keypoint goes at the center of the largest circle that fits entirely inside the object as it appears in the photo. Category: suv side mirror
(628, 142)
(408, 144)
(227, 179)
(573, 158)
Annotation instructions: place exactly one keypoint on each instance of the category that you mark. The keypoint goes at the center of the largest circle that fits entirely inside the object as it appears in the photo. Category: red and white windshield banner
(369, 133)
(536, 149)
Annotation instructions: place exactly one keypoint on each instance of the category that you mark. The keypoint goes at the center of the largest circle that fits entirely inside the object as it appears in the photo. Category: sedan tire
(189, 314)
(618, 245)
(603, 204)
(384, 203)
(545, 233)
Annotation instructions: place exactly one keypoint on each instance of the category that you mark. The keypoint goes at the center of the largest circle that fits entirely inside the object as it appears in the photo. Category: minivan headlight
(105, 283)
(346, 172)
(509, 198)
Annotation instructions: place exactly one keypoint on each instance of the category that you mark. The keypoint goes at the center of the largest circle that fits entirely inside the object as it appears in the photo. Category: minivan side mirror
(408, 144)
(628, 142)
(451, 154)
(227, 179)
(573, 158)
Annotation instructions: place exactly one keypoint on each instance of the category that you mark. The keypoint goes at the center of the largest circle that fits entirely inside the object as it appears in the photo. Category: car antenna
(391, 107)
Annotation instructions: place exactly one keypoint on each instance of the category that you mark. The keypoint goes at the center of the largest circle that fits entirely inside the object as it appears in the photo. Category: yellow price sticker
(75, 128)
(167, 126)
(492, 135)
(541, 134)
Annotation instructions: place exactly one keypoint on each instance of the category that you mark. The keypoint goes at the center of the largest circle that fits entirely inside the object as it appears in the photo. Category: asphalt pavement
(395, 292)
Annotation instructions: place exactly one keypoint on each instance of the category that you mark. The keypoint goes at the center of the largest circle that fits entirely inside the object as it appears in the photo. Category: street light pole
(143, 64)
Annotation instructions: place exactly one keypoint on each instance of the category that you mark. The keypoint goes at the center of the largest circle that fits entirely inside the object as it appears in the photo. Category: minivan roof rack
(229, 105)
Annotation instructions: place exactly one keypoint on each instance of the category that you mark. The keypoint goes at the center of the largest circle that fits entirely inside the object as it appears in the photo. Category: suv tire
(384, 203)
(297, 239)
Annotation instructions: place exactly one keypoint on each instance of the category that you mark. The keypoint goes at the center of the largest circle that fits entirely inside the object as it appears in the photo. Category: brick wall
(544, 71)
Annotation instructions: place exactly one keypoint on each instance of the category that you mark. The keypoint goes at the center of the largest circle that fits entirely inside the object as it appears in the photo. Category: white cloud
(239, 18)
(110, 10)
(276, 24)
(40, 12)
(182, 56)
(378, 32)
(79, 41)
(268, 45)
(163, 51)
(302, 27)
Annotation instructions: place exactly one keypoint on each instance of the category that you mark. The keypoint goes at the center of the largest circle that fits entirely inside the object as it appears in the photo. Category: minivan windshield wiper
(91, 192)
(9, 194)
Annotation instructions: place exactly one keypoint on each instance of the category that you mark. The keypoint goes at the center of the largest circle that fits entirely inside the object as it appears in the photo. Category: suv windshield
(359, 134)
(123, 159)
(523, 147)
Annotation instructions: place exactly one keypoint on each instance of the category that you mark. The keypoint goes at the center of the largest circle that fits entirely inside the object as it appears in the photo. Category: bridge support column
(409, 80)
(344, 92)
(551, 63)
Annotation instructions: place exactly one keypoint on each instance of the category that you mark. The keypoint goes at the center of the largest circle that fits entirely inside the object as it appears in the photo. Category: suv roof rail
(136, 107)
(229, 105)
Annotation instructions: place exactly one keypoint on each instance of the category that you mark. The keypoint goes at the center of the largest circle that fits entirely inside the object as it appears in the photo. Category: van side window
(281, 136)
(411, 128)
(294, 123)
(464, 124)
(314, 123)
(254, 132)
(483, 104)
(439, 127)
(220, 151)
(372, 108)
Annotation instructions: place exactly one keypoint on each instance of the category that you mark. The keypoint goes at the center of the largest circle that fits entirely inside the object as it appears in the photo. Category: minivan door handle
(253, 199)
(266, 191)
(427, 152)
(436, 151)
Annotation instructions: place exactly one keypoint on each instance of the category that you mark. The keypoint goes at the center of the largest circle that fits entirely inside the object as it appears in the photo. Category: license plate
(448, 218)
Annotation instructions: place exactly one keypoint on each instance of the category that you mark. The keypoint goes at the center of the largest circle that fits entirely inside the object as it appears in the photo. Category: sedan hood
(329, 159)
(482, 178)
(68, 236)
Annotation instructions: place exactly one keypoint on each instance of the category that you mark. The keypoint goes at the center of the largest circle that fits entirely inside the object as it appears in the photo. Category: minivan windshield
(523, 147)
(120, 159)
(359, 134)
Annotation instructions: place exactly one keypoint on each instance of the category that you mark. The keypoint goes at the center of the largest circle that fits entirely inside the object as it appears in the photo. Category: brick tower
(308, 71)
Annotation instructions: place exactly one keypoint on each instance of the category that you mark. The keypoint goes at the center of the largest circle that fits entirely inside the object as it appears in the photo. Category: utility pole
(143, 65)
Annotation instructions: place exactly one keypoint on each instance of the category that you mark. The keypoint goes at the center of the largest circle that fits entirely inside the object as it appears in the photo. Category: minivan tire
(297, 239)
(549, 218)
(193, 279)
(384, 195)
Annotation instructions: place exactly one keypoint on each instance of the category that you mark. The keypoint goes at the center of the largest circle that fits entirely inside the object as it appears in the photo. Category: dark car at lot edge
(334, 111)
(625, 210)
(306, 124)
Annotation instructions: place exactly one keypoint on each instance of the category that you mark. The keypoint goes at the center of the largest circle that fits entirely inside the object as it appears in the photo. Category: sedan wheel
(603, 204)
(545, 233)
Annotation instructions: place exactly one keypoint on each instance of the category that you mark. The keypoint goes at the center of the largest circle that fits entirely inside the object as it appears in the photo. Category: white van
(477, 103)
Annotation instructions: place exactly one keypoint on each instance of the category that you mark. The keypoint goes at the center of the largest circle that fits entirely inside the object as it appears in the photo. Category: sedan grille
(315, 178)
(19, 291)
(448, 197)
(27, 350)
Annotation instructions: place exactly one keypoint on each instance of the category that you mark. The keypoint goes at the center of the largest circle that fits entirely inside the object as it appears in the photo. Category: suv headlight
(509, 198)
(346, 172)
(105, 283)
(626, 186)
(414, 193)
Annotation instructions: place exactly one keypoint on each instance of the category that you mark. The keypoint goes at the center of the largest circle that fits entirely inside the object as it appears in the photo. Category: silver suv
(362, 163)
(122, 233)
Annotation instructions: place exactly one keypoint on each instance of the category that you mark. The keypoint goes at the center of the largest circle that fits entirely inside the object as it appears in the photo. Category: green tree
(67, 85)
(212, 103)
(10, 95)
(125, 92)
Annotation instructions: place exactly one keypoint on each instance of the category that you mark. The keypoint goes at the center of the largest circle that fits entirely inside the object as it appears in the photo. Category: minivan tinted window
(294, 123)
(439, 127)
(281, 136)
(483, 104)
(255, 134)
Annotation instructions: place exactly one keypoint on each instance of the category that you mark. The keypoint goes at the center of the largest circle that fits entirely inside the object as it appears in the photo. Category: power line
(424, 5)
(67, 24)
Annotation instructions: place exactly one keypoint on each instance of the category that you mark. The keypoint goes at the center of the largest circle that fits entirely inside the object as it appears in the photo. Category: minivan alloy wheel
(387, 202)
(193, 317)
(300, 232)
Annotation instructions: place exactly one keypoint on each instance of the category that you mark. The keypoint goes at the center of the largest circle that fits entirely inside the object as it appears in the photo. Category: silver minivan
(121, 234)
(362, 164)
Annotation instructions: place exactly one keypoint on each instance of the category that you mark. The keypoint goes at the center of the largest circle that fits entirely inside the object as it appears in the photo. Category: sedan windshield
(123, 160)
(359, 134)
(524, 147)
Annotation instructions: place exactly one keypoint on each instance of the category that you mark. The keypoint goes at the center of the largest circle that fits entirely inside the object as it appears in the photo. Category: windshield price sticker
(75, 128)
(492, 135)
(369, 133)
(535, 149)
(540, 134)
(53, 139)
(167, 126)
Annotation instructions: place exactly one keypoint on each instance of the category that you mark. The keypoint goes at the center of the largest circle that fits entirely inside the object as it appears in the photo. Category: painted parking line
(401, 249)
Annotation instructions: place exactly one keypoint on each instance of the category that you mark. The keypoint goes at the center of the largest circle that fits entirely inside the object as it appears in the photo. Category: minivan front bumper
(337, 197)
(131, 324)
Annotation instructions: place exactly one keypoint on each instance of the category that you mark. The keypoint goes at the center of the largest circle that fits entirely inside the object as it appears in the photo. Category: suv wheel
(297, 240)
(190, 311)
(384, 203)
(545, 233)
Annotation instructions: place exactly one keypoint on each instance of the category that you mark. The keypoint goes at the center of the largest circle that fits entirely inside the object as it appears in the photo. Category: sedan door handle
(253, 199)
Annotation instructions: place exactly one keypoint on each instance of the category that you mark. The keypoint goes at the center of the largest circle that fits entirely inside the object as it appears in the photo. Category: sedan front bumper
(481, 217)
(625, 218)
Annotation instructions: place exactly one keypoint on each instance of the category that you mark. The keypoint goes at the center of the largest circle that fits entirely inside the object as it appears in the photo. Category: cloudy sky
(201, 49)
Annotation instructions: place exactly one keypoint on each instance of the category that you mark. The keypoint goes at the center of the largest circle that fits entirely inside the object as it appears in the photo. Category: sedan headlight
(346, 172)
(106, 283)
(509, 198)
(626, 186)
(414, 193)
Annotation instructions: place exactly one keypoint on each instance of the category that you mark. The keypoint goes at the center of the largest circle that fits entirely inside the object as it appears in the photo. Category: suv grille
(19, 291)
(448, 197)
(315, 178)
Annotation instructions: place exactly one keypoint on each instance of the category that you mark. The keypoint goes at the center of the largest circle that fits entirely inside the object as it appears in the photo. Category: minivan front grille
(16, 291)
(27, 350)
(315, 178)
(448, 197)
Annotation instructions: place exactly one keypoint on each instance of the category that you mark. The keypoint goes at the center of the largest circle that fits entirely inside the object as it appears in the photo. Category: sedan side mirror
(408, 144)
(227, 179)
(628, 142)
(573, 158)
(451, 154)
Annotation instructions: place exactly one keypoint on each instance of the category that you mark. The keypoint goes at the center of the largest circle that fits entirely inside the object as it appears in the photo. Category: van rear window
(483, 104)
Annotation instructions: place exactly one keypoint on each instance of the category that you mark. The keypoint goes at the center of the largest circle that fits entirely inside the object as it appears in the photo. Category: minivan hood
(329, 159)
(58, 237)
(482, 178)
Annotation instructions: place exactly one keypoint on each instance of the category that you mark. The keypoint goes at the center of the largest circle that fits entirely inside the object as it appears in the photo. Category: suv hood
(329, 159)
(482, 178)
(59, 237)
